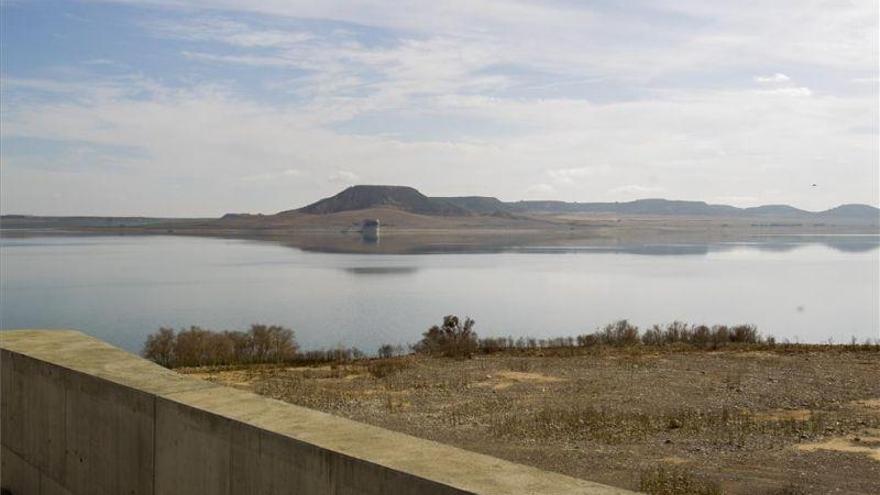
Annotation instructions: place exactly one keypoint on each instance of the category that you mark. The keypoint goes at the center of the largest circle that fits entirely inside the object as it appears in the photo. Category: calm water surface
(122, 288)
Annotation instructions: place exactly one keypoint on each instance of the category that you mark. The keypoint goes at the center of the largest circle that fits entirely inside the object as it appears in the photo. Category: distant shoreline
(417, 234)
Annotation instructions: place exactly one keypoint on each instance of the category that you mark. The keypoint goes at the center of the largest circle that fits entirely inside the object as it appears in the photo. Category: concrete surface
(80, 416)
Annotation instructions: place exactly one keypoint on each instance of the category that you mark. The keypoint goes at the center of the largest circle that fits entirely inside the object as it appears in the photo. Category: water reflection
(381, 270)
(776, 245)
(121, 289)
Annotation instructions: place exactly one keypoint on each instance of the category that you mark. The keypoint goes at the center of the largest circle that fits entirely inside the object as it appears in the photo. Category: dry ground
(750, 422)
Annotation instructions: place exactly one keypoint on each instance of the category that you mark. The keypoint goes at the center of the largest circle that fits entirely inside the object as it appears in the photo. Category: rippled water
(122, 288)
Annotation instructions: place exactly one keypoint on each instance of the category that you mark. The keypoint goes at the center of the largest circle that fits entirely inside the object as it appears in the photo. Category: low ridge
(484, 205)
(776, 210)
(411, 200)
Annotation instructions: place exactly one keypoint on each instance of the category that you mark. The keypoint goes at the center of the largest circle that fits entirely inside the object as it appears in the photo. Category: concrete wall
(80, 417)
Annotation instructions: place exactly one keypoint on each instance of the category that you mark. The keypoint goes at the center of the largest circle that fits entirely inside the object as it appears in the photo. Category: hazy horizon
(196, 108)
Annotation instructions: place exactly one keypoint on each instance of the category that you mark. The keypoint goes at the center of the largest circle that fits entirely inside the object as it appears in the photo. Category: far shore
(410, 234)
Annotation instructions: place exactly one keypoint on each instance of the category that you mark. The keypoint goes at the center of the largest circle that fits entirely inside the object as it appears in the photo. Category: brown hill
(400, 197)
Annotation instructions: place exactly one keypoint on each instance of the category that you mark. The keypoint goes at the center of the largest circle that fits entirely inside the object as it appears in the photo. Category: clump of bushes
(453, 338)
(337, 355)
(197, 346)
(701, 335)
(622, 334)
(389, 351)
(491, 345)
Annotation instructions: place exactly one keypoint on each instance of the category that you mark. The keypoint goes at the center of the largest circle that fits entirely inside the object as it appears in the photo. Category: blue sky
(201, 107)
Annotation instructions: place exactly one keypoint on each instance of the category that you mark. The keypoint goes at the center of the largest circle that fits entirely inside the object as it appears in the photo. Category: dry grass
(671, 481)
(737, 418)
(382, 368)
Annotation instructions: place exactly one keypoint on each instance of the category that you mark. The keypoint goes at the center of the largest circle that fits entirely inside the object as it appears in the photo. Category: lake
(122, 288)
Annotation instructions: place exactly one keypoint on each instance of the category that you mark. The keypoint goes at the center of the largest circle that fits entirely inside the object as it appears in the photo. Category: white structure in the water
(370, 230)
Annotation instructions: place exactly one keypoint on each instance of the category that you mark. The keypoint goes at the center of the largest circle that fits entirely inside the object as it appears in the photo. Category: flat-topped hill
(365, 197)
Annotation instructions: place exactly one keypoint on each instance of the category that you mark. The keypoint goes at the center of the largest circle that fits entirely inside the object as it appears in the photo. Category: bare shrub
(588, 340)
(272, 343)
(197, 346)
(700, 335)
(452, 339)
(619, 333)
(388, 351)
(193, 348)
(337, 355)
(677, 331)
(492, 345)
(744, 334)
(160, 346)
(653, 336)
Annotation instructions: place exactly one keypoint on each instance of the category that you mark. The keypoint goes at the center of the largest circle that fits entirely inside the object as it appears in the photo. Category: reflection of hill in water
(847, 244)
(644, 249)
(844, 244)
(381, 270)
(860, 246)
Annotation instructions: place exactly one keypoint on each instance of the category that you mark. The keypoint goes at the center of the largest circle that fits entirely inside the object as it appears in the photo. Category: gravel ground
(764, 422)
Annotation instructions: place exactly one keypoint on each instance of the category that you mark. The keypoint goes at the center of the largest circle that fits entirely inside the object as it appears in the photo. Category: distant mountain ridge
(409, 199)
(638, 207)
(483, 205)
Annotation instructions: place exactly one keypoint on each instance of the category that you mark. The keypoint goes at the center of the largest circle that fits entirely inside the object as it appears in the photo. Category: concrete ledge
(82, 417)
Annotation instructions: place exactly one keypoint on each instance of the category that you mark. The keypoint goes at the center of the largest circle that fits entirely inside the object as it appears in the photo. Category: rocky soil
(766, 422)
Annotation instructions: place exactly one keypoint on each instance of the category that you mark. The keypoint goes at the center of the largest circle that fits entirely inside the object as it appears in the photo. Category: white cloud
(264, 61)
(227, 31)
(569, 176)
(541, 191)
(343, 177)
(271, 176)
(700, 144)
(774, 78)
(866, 80)
(740, 201)
(634, 190)
(633, 42)
(99, 61)
(798, 91)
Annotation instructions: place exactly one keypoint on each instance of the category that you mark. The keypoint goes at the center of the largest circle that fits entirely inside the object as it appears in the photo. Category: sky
(202, 107)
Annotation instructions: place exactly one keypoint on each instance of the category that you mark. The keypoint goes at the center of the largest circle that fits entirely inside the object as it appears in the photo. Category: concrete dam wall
(81, 417)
